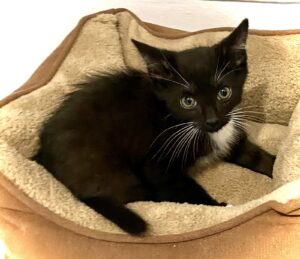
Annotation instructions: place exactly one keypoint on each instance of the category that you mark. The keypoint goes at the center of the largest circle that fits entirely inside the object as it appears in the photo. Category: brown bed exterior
(29, 230)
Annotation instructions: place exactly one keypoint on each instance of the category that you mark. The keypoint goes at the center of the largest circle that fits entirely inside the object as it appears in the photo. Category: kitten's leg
(108, 194)
(112, 204)
(115, 211)
(187, 190)
(183, 189)
(251, 156)
(174, 185)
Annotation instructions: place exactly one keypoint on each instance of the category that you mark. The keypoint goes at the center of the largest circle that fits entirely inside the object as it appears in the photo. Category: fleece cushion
(101, 43)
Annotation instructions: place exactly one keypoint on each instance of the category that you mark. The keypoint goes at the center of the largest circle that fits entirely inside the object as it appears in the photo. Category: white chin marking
(223, 139)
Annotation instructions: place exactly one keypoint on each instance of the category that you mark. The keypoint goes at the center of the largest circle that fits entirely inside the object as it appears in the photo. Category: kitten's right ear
(156, 59)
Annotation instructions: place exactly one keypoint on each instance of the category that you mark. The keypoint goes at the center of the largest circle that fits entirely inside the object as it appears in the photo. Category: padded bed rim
(290, 209)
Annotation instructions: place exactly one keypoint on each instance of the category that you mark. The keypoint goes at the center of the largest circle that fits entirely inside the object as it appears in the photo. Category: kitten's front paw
(265, 165)
(270, 165)
(215, 203)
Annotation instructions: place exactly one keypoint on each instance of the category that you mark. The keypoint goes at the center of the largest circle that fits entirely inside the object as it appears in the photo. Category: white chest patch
(223, 139)
(221, 142)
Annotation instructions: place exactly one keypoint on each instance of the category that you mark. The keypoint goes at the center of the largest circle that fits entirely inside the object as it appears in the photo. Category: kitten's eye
(188, 102)
(224, 94)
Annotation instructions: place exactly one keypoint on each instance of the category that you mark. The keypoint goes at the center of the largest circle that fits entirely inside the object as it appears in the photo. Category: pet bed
(39, 218)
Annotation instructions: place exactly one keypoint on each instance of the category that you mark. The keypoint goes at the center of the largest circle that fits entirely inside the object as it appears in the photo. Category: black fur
(107, 141)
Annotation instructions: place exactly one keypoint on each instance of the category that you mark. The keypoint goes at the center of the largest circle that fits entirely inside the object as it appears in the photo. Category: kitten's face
(202, 84)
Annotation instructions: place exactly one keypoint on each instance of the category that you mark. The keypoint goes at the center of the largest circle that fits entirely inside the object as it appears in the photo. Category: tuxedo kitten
(132, 136)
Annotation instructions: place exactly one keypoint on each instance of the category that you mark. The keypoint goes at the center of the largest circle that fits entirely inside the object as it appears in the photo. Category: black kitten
(132, 136)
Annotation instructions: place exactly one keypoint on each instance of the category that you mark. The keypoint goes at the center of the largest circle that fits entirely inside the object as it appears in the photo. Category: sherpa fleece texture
(104, 45)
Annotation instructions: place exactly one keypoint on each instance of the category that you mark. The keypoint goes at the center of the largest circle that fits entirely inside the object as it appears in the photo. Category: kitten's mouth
(214, 127)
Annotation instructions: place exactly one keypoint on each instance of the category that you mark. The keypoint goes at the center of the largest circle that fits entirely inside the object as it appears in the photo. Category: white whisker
(182, 140)
(173, 68)
(250, 106)
(223, 70)
(166, 79)
(169, 140)
(239, 125)
(177, 149)
(246, 112)
(231, 71)
(187, 147)
(198, 139)
(242, 123)
(238, 120)
(194, 143)
(217, 67)
(164, 131)
(248, 117)
(257, 115)
(184, 146)
(178, 136)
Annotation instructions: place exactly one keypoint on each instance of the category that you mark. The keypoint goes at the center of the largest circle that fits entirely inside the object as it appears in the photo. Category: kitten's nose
(212, 124)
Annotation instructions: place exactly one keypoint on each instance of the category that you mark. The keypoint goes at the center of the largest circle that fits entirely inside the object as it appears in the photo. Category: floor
(31, 29)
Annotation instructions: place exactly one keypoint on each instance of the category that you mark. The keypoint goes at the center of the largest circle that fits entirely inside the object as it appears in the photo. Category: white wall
(31, 29)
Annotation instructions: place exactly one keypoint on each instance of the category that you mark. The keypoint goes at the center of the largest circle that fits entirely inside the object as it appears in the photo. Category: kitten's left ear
(233, 47)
